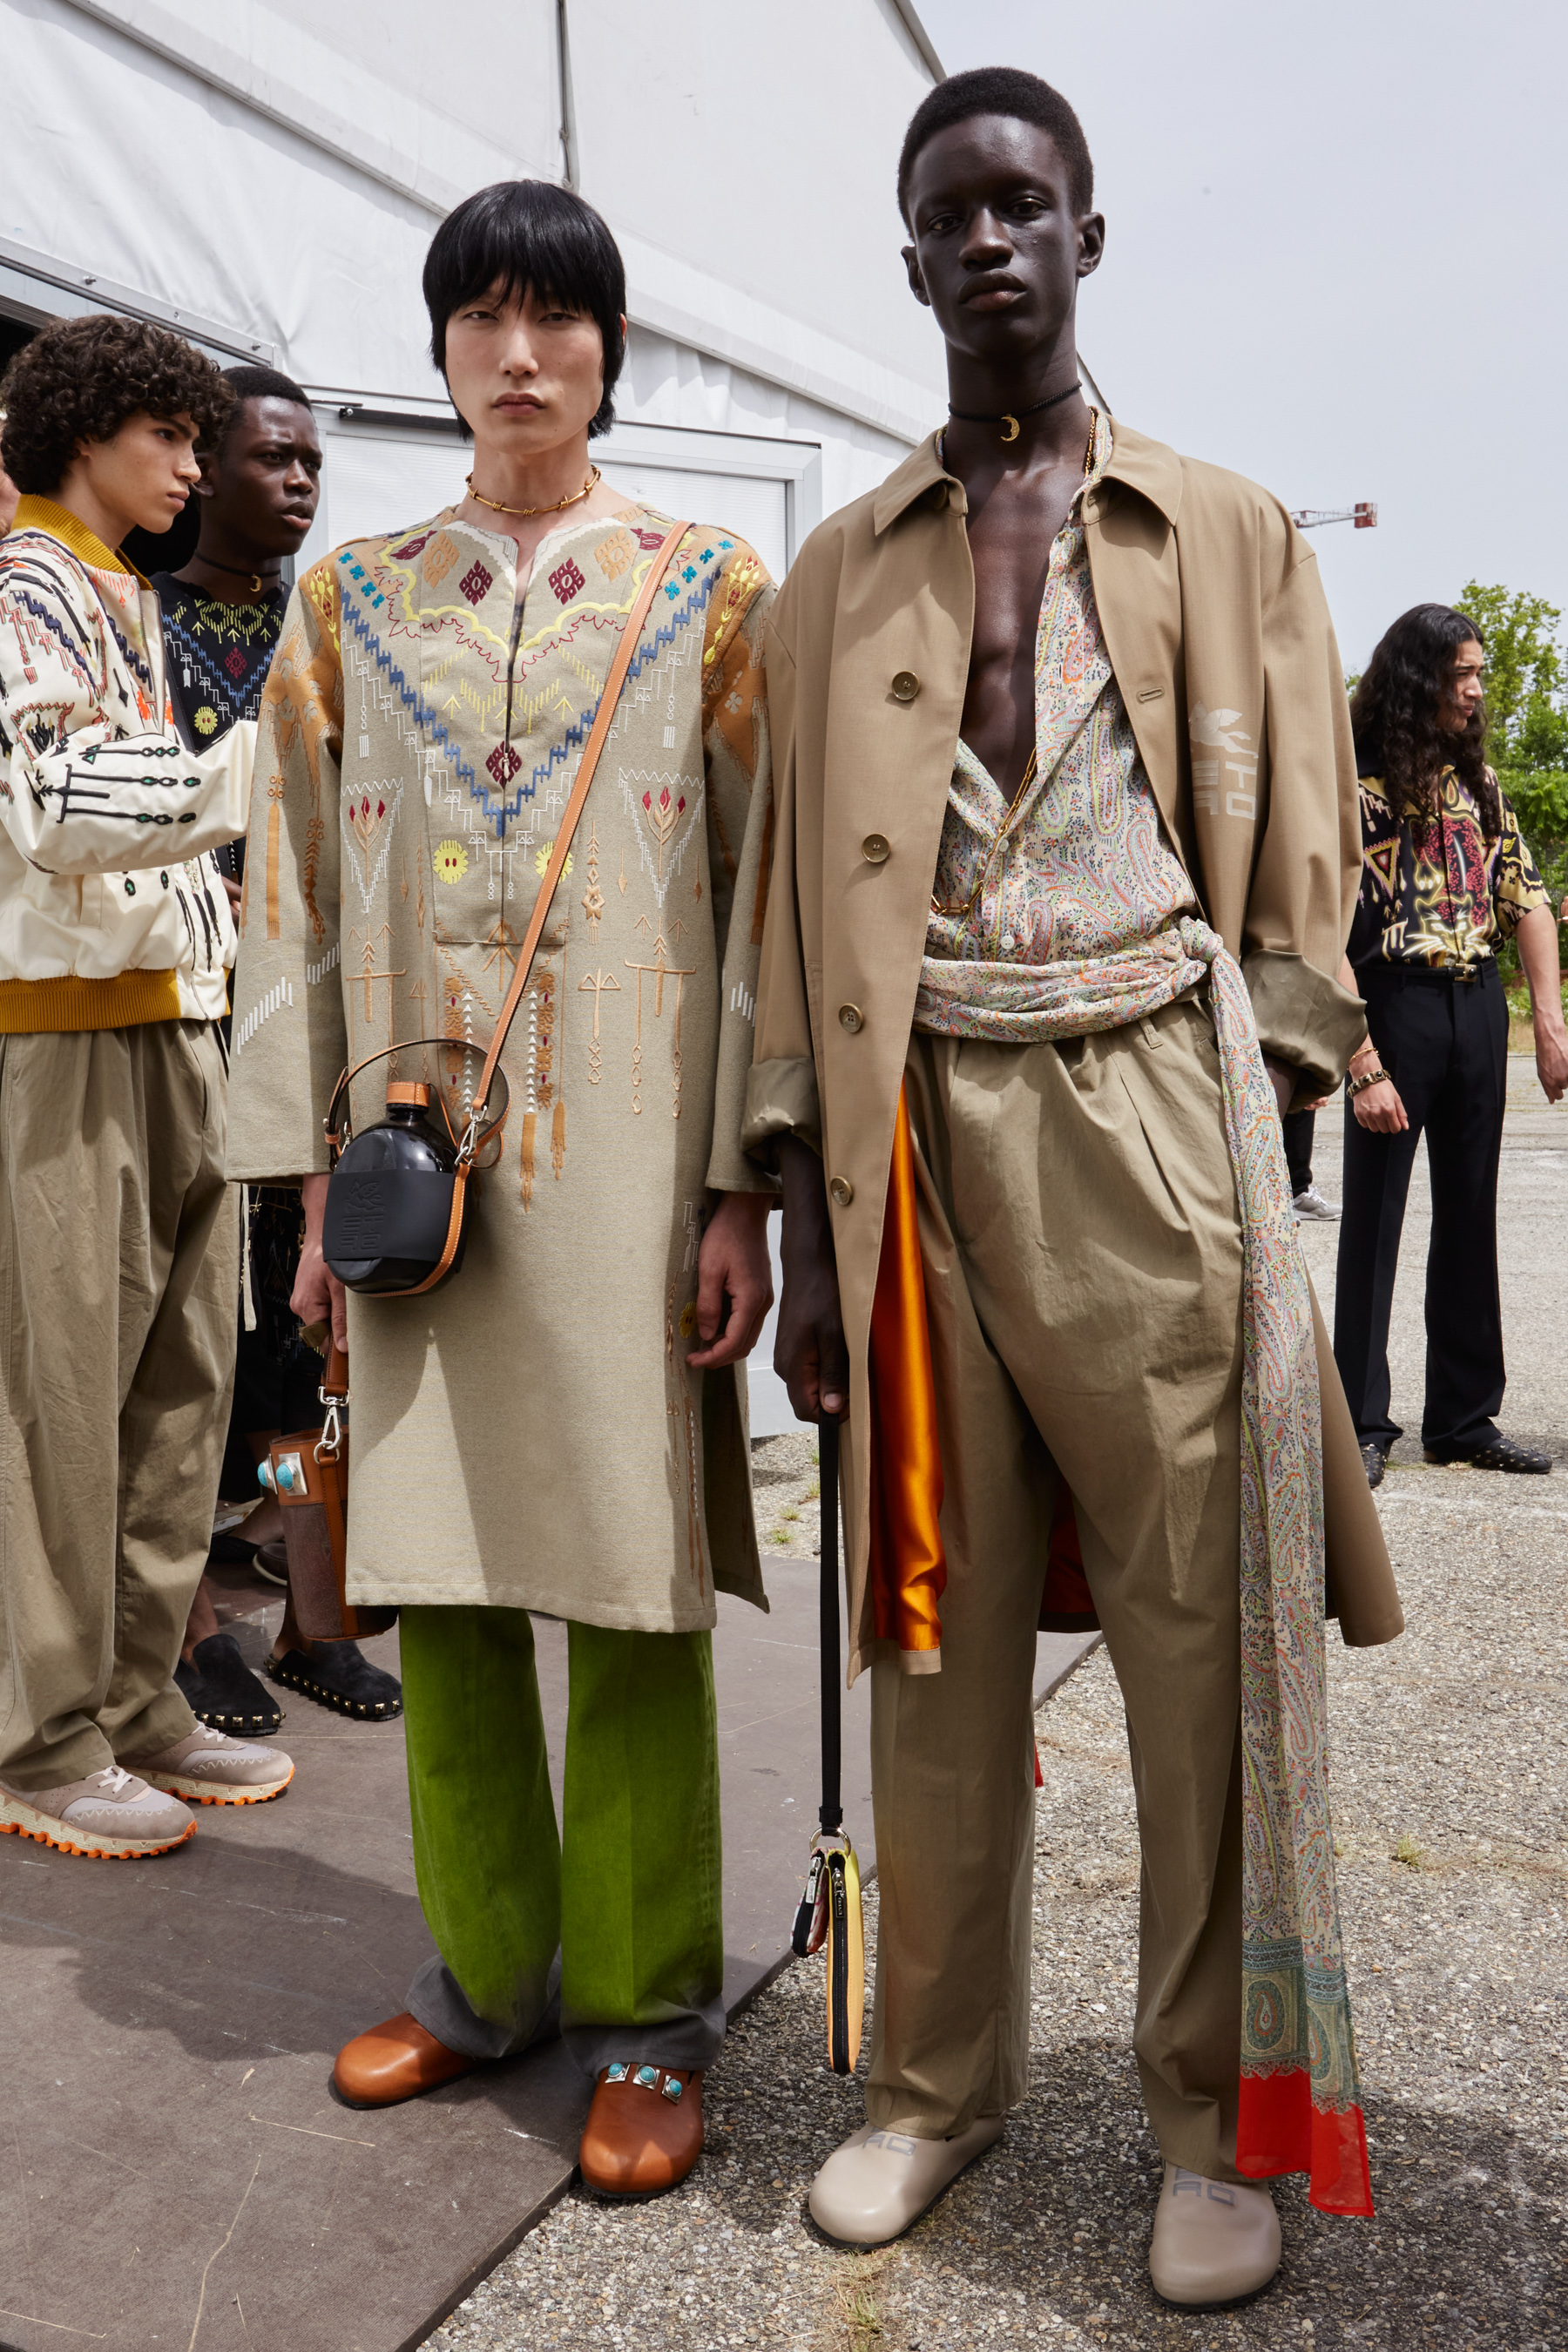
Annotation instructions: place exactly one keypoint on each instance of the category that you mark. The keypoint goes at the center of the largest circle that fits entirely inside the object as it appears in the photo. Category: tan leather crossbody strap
(598, 734)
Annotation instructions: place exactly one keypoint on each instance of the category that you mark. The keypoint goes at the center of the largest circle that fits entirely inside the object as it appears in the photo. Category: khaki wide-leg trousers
(119, 1272)
(1083, 1266)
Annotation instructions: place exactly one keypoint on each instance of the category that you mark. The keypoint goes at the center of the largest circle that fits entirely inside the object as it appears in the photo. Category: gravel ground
(1449, 1775)
(785, 1488)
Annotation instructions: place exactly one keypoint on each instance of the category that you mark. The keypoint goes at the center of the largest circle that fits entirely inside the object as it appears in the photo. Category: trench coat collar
(1145, 465)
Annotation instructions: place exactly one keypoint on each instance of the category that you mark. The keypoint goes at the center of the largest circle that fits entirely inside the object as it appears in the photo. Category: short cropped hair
(82, 379)
(518, 234)
(1000, 90)
(260, 383)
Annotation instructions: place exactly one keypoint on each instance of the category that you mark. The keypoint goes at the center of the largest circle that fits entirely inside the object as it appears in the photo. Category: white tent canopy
(267, 176)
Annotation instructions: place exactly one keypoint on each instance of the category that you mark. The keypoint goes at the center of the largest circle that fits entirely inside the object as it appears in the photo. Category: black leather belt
(1428, 975)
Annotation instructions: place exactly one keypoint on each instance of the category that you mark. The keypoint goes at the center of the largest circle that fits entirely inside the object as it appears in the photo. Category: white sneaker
(879, 2182)
(110, 1814)
(208, 1768)
(1215, 2241)
(1311, 1208)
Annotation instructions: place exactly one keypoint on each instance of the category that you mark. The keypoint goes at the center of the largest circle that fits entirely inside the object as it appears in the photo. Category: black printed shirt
(1450, 899)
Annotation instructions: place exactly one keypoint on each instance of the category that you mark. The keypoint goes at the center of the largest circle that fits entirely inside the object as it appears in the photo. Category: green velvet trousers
(628, 1891)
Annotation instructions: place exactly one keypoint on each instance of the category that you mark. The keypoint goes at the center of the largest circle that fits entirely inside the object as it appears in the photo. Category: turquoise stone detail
(617, 2073)
(647, 2078)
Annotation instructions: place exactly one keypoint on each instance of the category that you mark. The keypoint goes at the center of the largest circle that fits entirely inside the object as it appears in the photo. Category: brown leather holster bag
(310, 1480)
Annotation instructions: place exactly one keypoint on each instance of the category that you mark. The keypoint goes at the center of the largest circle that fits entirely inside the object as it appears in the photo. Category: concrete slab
(173, 2170)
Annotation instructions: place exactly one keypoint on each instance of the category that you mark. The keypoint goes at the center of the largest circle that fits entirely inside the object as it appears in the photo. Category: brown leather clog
(644, 2131)
(393, 2061)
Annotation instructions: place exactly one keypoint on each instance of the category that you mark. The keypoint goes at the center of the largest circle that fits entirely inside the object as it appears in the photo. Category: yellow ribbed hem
(58, 1008)
(33, 513)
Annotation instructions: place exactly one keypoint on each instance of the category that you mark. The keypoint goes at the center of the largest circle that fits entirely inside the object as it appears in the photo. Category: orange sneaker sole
(97, 1852)
(195, 1792)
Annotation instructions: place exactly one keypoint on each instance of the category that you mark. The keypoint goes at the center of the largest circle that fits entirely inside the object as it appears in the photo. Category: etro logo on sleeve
(1225, 765)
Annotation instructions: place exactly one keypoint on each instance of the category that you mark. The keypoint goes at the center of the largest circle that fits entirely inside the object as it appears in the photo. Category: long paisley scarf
(1301, 2101)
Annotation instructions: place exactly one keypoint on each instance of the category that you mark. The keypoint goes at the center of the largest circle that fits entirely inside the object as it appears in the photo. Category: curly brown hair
(82, 379)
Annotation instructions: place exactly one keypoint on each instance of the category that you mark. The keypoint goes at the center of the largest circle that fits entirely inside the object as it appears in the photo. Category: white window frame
(693, 449)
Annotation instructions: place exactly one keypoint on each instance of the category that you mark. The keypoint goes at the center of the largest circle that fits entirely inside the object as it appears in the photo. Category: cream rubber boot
(1215, 2241)
(879, 2182)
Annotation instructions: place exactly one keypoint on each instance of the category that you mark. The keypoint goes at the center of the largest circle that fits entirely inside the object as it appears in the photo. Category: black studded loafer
(336, 1675)
(1502, 1454)
(221, 1691)
(1376, 1462)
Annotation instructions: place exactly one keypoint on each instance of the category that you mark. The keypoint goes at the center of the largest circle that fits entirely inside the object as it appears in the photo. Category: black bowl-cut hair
(1000, 90)
(528, 233)
(82, 379)
(257, 383)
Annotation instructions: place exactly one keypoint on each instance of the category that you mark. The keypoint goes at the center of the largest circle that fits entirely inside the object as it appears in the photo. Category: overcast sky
(1334, 261)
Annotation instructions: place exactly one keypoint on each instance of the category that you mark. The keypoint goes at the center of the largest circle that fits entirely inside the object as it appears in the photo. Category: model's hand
(1379, 1110)
(233, 891)
(733, 1265)
(1551, 1060)
(317, 1295)
(1284, 1081)
(810, 1357)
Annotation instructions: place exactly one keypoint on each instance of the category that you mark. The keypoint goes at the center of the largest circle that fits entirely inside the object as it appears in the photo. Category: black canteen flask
(384, 1233)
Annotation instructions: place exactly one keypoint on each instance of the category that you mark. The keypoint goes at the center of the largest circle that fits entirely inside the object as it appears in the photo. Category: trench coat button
(876, 849)
(842, 1191)
(850, 1017)
(906, 686)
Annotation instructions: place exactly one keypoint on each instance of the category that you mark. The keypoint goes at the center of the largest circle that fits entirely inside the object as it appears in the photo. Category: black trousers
(1299, 1125)
(1444, 1045)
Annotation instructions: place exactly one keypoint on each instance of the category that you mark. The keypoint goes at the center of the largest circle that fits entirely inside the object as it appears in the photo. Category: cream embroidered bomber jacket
(112, 908)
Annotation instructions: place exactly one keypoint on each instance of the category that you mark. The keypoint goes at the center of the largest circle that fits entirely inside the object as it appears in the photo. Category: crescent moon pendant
(1010, 428)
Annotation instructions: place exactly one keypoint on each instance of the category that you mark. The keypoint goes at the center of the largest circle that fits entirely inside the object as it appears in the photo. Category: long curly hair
(1395, 715)
(82, 379)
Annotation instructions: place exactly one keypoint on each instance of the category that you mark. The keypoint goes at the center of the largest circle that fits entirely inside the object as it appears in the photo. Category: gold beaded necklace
(496, 507)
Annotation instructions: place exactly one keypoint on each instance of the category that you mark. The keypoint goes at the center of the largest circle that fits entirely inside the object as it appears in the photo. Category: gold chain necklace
(496, 507)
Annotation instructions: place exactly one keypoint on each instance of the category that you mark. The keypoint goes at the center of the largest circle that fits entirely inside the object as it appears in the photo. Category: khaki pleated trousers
(1083, 1268)
(119, 1284)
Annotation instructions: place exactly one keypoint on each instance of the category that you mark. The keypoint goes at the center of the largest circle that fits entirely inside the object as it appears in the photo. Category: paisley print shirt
(1080, 870)
(1449, 899)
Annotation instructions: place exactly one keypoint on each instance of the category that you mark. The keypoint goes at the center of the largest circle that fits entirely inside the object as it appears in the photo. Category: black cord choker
(967, 417)
(244, 571)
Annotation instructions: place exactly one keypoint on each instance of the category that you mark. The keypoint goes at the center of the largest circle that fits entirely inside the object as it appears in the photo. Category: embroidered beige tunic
(527, 1435)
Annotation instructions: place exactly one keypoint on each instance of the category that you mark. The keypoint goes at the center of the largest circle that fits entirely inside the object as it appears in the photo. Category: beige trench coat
(1217, 628)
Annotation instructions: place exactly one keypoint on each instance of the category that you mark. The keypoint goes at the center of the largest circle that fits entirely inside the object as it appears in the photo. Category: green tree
(1527, 707)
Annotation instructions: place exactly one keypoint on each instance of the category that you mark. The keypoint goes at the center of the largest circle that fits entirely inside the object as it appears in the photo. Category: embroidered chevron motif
(48, 617)
(410, 696)
(282, 994)
(498, 807)
(577, 735)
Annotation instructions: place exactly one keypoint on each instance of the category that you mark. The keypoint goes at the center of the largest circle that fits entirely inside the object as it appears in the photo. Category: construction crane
(1363, 514)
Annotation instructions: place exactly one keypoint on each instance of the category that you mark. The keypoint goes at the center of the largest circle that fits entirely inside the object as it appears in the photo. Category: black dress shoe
(221, 1691)
(337, 1674)
(1502, 1454)
(1376, 1462)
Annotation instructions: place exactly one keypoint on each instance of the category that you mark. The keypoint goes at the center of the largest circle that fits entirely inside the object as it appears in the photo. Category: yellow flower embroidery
(207, 719)
(450, 861)
(542, 856)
